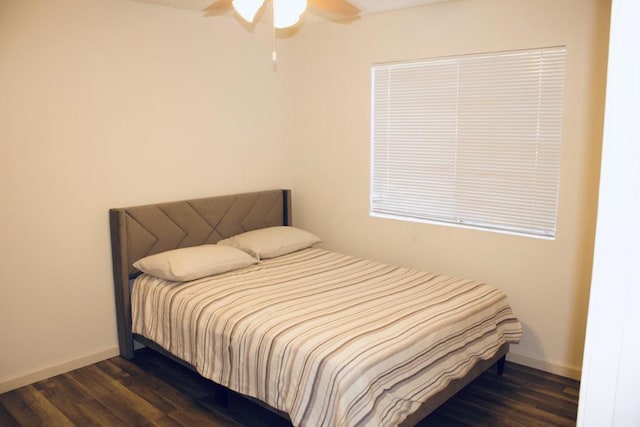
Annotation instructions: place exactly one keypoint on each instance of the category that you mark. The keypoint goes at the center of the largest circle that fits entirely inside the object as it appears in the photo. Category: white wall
(108, 104)
(611, 374)
(547, 281)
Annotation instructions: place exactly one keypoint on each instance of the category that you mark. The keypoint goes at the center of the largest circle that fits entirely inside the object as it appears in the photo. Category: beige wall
(106, 104)
(114, 103)
(547, 281)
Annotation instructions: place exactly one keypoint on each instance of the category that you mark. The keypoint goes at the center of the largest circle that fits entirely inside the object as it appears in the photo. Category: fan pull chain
(274, 54)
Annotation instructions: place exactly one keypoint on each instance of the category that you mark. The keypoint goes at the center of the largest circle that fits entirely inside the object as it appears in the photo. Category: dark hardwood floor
(154, 391)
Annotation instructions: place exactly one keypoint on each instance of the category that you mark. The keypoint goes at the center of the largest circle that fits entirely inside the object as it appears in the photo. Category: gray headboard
(145, 230)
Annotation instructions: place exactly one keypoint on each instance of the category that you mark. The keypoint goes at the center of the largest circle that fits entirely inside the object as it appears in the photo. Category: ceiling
(374, 6)
(366, 6)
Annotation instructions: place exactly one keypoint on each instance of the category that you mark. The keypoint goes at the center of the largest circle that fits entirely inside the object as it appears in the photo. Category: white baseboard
(565, 371)
(52, 371)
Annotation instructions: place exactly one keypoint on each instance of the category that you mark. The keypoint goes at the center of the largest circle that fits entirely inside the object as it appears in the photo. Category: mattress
(330, 339)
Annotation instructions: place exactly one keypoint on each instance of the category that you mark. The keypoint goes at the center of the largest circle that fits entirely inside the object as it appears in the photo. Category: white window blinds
(471, 140)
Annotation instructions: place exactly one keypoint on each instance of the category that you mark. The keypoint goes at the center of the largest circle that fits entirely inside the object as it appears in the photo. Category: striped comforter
(333, 340)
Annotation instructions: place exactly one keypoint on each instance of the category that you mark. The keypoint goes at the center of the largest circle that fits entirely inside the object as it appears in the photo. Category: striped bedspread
(330, 339)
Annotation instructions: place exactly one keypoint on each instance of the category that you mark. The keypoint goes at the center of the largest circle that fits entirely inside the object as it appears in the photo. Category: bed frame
(145, 230)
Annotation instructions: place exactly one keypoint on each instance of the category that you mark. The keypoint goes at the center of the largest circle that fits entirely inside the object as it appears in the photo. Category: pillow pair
(236, 252)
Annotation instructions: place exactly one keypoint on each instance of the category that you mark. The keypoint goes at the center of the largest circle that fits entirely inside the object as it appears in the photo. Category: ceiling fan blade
(218, 8)
(339, 7)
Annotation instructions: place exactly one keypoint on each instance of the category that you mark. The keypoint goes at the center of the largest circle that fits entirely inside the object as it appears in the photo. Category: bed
(335, 359)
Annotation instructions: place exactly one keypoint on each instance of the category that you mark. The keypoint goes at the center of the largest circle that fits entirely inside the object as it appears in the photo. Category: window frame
(542, 140)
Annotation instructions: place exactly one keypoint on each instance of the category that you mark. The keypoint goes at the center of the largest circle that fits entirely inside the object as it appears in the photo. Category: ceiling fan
(286, 13)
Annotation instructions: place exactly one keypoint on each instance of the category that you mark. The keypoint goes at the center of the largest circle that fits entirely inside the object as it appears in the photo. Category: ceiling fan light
(247, 8)
(287, 12)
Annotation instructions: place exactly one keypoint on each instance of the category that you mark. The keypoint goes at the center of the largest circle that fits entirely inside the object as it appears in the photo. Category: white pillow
(192, 263)
(271, 242)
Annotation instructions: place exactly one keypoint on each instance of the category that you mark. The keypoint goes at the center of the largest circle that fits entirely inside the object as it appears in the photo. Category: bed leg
(500, 365)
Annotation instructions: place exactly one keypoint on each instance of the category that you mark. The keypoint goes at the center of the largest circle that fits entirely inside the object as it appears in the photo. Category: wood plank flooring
(154, 391)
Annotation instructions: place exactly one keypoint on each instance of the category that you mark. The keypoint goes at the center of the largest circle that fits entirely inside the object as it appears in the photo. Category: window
(470, 140)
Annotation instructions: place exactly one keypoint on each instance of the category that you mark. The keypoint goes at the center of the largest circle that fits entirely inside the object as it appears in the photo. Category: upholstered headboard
(144, 230)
